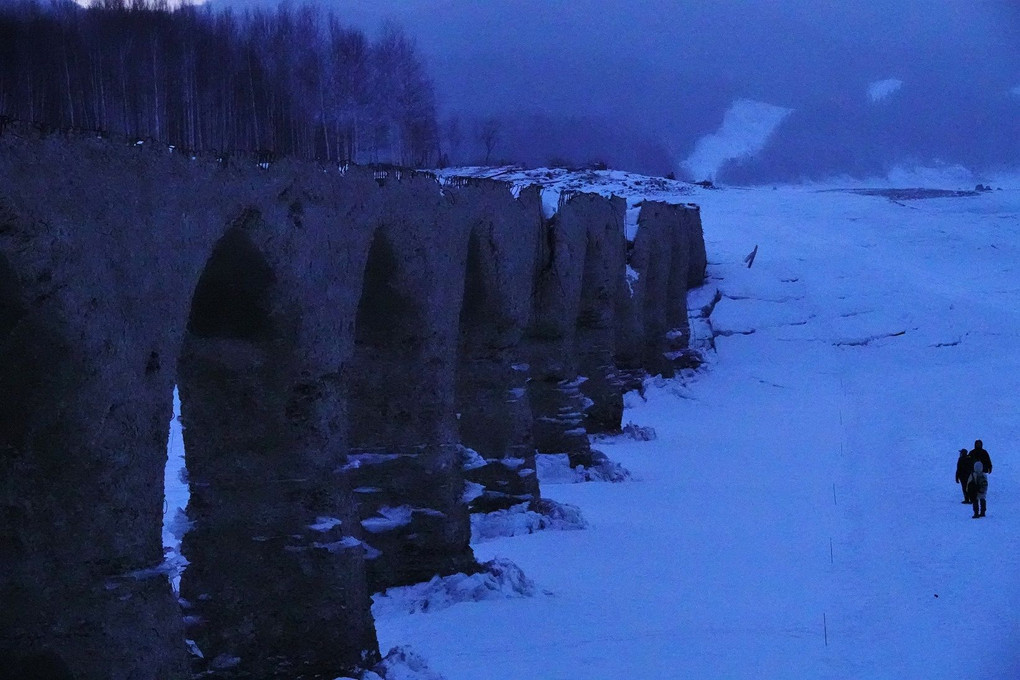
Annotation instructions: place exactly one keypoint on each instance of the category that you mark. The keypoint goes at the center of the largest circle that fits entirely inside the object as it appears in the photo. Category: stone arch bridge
(338, 339)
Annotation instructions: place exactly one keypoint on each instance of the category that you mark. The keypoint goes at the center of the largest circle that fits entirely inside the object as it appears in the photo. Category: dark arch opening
(389, 340)
(12, 309)
(476, 306)
(479, 379)
(32, 356)
(255, 463)
(388, 319)
(399, 405)
(232, 298)
(228, 389)
(493, 411)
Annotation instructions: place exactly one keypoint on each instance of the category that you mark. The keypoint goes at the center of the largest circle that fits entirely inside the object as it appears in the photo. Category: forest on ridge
(288, 81)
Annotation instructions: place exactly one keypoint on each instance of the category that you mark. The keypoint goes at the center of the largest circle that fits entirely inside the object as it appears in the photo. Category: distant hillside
(917, 123)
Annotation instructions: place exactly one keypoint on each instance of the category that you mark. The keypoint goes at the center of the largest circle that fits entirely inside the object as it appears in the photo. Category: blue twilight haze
(637, 84)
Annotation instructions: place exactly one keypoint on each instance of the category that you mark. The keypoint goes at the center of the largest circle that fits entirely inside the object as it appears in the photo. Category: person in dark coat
(978, 454)
(964, 466)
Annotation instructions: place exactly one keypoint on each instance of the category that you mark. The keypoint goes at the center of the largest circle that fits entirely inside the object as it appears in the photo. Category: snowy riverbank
(796, 516)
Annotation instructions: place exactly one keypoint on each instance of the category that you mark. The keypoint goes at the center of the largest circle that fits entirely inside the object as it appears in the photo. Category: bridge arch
(270, 529)
(390, 335)
(493, 414)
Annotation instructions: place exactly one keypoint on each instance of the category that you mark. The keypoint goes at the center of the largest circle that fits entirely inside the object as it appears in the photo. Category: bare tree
(488, 134)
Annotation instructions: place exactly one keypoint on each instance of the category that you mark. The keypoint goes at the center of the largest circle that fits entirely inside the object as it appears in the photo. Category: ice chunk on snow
(471, 492)
(345, 543)
(641, 433)
(359, 459)
(500, 579)
(390, 518)
(470, 459)
(401, 663)
(553, 468)
(522, 519)
(324, 523)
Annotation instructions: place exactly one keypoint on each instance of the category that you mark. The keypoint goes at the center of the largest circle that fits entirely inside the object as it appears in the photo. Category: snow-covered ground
(796, 515)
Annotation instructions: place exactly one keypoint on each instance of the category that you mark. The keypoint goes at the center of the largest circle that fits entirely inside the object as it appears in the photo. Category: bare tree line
(286, 82)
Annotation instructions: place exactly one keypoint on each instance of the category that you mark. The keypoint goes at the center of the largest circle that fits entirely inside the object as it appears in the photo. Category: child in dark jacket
(977, 485)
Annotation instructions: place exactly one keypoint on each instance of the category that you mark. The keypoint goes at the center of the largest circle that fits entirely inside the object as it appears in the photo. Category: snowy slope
(796, 517)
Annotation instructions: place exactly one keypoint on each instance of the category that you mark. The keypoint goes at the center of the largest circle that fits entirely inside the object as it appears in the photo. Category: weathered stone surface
(493, 415)
(106, 263)
(338, 340)
(557, 404)
(412, 514)
(690, 229)
(86, 398)
(602, 286)
(400, 379)
(668, 256)
(274, 559)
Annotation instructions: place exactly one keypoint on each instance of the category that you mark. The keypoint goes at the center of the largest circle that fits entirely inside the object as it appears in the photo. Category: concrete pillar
(668, 257)
(83, 417)
(400, 376)
(276, 585)
(602, 283)
(557, 403)
(493, 413)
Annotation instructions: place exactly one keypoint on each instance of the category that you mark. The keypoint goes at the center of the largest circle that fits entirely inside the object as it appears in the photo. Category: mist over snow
(638, 85)
(745, 130)
(881, 89)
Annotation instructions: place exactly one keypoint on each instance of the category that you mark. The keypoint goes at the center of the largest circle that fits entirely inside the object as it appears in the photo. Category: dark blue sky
(668, 70)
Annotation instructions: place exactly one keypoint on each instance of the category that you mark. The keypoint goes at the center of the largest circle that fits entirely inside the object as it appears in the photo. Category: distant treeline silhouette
(284, 82)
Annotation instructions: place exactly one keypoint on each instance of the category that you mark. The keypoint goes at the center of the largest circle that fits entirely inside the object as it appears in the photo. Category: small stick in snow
(750, 256)
(825, 629)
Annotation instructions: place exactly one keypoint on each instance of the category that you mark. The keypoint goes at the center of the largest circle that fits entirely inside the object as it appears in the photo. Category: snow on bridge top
(555, 182)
